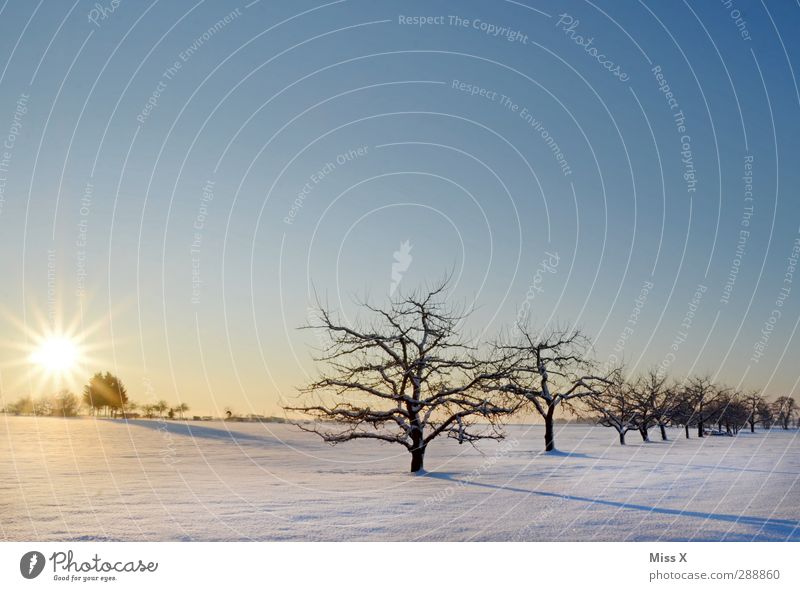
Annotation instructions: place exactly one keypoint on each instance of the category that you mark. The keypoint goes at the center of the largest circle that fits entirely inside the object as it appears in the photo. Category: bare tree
(754, 402)
(65, 404)
(766, 416)
(721, 409)
(161, 407)
(784, 409)
(665, 407)
(616, 406)
(406, 377)
(736, 415)
(181, 408)
(731, 412)
(23, 406)
(43, 406)
(130, 409)
(654, 401)
(683, 409)
(703, 395)
(549, 371)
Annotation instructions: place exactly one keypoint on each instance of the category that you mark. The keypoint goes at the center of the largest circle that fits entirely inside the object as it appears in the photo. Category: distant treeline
(106, 396)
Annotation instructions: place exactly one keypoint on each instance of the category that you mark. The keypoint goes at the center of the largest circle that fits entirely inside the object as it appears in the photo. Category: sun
(51, 352)
(56, 354)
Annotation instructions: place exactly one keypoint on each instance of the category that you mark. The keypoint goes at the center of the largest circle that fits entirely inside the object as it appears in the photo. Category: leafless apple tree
(616, 406)
(549, 371)
(755, 403)
(656, 401)
(702, 395)
(405, 376)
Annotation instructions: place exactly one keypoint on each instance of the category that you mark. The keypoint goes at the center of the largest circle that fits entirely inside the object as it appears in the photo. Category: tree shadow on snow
(707, 467)
(786, 529)
(190, 430)
(557, 453)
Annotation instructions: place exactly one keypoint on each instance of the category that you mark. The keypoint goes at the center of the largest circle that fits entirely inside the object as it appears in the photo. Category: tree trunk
(622, 438)
(417, 458)
(687, 430)
(752, 427)
(663, 433)
(417, 446)
(643, 433)
(700, 429)
(549, 436)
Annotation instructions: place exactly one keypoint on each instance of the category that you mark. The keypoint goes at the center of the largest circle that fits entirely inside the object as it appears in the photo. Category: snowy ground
(86, 479)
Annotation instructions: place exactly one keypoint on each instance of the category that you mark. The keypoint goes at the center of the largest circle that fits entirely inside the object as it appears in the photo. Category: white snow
(87, 479)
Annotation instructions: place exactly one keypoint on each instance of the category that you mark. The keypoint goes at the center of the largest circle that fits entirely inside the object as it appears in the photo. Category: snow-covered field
(86, 479)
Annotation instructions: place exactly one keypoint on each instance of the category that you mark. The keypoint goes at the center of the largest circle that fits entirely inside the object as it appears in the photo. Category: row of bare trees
(652, 400)
(407, 375)
(159, 409)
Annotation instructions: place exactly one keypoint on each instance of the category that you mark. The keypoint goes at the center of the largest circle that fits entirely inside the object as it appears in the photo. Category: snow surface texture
(86, 479)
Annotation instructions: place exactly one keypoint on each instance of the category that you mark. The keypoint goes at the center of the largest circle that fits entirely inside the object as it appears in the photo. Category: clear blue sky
(147, 202)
